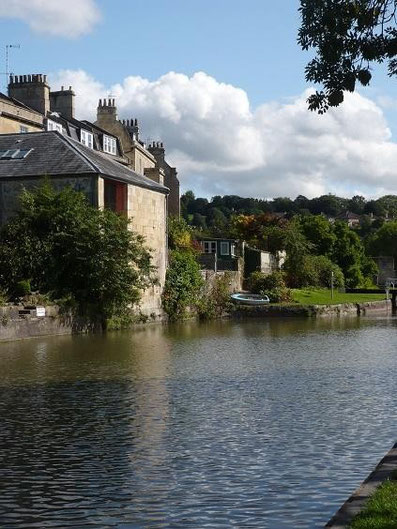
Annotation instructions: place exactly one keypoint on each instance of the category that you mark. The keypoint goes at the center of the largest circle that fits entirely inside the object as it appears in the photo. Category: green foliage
(21, 288)
(314, 271)
(179, 234)
(348, 37)
(215, 301)
(183, 284)
(272, 285)
(348, 252)
(384, 241)
(318, 231)
(3, 297)
(73, 250)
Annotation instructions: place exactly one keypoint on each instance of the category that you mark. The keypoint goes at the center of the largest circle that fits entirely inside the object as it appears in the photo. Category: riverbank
(357, 501)
(18, 323)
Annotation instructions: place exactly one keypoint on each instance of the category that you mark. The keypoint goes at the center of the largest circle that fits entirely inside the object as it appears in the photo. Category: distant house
(219, 253)
(352, 219)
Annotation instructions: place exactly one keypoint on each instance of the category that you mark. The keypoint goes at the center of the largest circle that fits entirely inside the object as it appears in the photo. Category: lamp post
(332, 285)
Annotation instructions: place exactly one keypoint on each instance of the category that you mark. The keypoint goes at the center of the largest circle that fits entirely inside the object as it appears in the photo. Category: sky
(220, 82)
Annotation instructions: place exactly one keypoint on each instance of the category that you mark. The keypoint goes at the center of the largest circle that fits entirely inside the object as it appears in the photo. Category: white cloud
(70, 19)
(221, 145)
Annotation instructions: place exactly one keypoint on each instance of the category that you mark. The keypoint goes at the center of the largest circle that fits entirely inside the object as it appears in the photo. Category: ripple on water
(243, 425)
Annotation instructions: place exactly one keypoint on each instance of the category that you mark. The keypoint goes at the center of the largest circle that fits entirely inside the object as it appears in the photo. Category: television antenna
(7, 73)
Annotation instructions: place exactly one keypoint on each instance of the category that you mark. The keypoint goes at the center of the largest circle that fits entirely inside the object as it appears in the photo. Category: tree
(348, 253)
(348, 36)
(318, 230)
(67, 248)
(384, 241)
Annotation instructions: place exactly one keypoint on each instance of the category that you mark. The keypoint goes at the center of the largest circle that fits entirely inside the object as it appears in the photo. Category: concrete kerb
(358, 499)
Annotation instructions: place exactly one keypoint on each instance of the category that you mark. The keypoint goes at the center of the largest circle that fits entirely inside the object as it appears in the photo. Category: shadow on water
(219, 425)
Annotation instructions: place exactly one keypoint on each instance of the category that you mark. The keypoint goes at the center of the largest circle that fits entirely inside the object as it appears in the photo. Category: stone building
(17, 117)
(147, 161)
(87, 157)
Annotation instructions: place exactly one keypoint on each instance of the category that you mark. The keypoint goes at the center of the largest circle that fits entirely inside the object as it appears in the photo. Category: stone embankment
(19, 322)
(313, 311)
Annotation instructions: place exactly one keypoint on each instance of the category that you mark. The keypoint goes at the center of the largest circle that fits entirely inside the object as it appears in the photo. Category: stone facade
(148, 211)
(16, 118)
(170, 178)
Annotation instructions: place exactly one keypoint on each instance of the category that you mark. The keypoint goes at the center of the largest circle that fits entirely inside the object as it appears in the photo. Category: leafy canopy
(70, 249)
(347, 35)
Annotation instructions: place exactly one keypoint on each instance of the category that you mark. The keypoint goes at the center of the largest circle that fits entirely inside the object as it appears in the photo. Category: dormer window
(52, 125)
(109, 145)
(87, 139)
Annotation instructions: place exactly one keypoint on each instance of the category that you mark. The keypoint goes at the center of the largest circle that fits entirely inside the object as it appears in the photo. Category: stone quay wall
(312, 311)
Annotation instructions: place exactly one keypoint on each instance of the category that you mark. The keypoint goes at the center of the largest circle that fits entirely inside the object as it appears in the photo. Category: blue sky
(96, 45)
(251, 45)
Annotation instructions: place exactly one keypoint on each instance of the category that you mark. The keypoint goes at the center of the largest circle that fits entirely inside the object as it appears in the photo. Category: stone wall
(235, 279)
(313, 311)
(16, 327)
(147, 209)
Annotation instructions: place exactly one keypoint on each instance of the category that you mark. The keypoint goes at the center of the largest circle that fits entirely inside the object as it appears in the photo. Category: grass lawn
(323, 297)
(381, 509)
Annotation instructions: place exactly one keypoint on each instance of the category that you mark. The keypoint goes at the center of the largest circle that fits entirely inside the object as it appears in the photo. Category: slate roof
(55, 155)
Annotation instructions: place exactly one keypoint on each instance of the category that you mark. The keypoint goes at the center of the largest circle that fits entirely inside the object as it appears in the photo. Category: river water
(260, 424)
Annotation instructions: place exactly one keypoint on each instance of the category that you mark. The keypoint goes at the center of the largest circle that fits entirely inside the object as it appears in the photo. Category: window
(224, 248)
(233, 250)
(87, 138)
(14, 154)
(109, 145)
(209, 246)
(23, 130)
(52, 125)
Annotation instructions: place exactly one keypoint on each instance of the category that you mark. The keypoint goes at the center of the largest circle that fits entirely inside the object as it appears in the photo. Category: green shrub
(182, 285)
(72, 250)
(324, 268)
(314, 271)
(272, 285)
(21, 289)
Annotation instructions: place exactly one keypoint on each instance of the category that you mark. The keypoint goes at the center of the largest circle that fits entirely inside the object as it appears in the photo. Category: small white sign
(40, 312)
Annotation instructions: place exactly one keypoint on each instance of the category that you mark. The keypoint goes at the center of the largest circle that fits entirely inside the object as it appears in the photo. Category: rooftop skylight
(14, 154)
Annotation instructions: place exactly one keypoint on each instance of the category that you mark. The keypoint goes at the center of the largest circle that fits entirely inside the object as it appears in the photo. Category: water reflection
(254, 424)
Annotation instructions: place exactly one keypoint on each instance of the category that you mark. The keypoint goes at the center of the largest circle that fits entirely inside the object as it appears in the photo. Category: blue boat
(250, 299)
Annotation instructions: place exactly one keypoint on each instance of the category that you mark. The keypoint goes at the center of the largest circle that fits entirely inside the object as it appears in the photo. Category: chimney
(106, 113)
(31, 90)
(133, 128)
(158, 151)
(62, 101)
